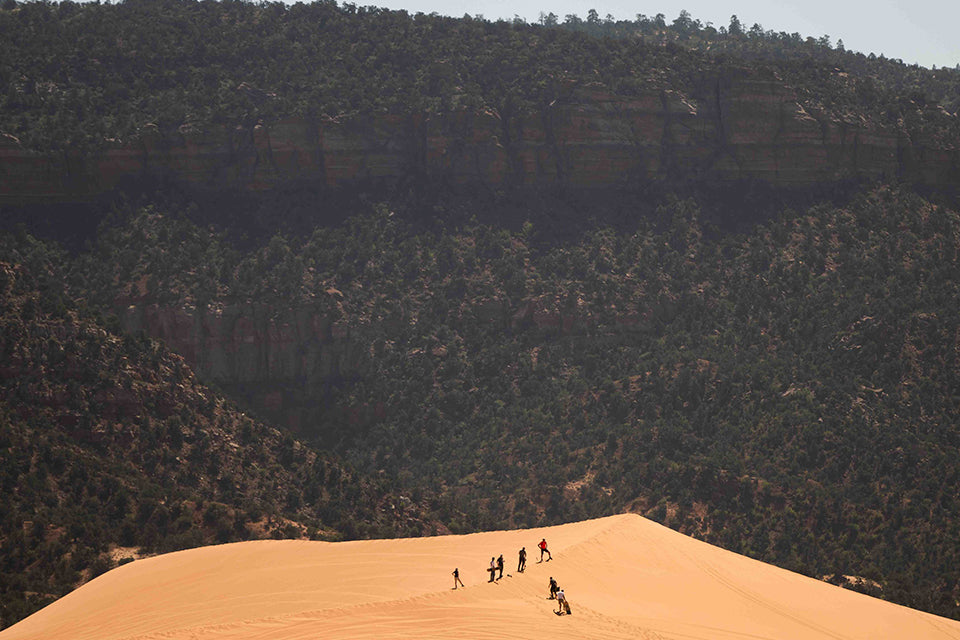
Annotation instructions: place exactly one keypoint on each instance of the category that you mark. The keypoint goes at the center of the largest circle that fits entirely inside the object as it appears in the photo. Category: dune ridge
(625, 576)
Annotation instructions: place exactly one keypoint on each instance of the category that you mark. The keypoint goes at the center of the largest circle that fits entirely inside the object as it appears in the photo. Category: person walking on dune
(562, 605)
(456, 578)
(544, 550)
(492, 569)
(553, 588)
(500, 566)
(522, 564)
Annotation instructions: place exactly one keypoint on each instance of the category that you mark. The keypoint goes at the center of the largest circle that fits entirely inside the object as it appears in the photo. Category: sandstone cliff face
(283, 360)
(279, 357)
(737, 127)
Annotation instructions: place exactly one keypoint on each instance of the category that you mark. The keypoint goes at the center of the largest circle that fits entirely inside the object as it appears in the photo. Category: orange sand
(625, 577)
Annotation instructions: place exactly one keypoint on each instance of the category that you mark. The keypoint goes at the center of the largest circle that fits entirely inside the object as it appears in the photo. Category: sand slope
(626, 577)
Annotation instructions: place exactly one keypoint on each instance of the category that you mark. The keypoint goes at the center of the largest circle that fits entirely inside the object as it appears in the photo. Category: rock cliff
(281, 359)
(284, 359)
(740, 125)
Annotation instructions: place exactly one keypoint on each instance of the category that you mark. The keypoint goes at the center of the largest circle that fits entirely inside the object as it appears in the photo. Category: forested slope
(773, 371)
(110, 449)
(789, 393)
(80, 76)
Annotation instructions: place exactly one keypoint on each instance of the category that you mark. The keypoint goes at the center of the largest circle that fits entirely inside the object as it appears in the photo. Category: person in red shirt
(544, 550)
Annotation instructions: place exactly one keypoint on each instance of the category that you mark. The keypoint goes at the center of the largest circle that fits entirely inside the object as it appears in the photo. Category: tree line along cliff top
(80, 76)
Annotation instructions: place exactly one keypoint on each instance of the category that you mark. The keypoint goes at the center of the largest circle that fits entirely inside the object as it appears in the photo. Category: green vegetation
(829, 77)
(111, 449)
(73, 76)
(789, 393)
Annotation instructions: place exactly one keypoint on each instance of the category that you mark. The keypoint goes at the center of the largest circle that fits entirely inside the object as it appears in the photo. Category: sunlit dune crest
(625, 577)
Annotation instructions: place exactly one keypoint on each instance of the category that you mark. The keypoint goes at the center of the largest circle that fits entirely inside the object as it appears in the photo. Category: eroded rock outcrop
(279, 357)
(739, 126)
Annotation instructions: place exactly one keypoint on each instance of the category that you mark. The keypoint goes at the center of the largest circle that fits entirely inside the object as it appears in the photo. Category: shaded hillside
(788, 393)
(111, 449)
(530, 326)
(76, 75)
(100, 98)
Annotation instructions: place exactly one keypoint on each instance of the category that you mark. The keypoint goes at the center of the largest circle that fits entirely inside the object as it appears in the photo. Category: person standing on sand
(553, 588)
(492, 569)
(523, 560)
(456, 578)
(544, 550)
(500, 566)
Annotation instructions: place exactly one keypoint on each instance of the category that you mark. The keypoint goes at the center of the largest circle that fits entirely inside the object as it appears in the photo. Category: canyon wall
(281, 360)
(740, 126)
(284, 360)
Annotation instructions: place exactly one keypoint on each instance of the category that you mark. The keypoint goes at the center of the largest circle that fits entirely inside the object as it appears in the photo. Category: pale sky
(926, 32)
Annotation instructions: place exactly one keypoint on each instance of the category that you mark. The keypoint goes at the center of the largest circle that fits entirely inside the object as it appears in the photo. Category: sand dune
(626, 578)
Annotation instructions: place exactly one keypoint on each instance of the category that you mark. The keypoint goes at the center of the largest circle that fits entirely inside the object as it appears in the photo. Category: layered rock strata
(740, 126)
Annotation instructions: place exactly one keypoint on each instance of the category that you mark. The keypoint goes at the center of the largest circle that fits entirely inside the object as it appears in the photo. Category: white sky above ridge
(922, 31)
